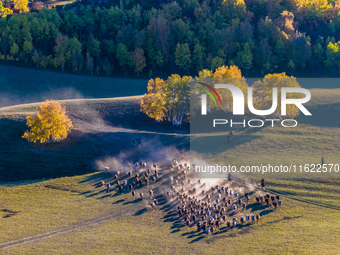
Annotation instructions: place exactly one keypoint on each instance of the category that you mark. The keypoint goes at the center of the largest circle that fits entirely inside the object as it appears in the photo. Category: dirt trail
(87, 224)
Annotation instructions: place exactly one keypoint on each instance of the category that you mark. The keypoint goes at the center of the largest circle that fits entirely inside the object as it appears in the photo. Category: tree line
(184, 36)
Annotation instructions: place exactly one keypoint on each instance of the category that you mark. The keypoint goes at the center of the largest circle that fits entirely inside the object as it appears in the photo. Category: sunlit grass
(307, 223)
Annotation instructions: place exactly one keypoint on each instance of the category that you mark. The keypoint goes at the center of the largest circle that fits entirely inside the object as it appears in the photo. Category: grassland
(22, 85)
(99, 126)
(299, 227)
(87, 220)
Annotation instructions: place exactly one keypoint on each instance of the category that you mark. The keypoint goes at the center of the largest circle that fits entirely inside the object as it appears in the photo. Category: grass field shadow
(134, 201)
(141, 211)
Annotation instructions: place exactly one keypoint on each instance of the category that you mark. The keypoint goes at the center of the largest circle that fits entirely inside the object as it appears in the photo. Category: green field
(74, 215)
(87, 220)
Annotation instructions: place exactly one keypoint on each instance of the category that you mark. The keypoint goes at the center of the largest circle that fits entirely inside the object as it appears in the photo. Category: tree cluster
(186, 36)
(170, 100)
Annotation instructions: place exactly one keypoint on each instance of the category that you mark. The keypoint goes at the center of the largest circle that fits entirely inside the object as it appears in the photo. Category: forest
(299, 37)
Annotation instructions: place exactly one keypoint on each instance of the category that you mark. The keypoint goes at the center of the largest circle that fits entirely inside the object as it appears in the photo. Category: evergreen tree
(183, 56)
(123, 56)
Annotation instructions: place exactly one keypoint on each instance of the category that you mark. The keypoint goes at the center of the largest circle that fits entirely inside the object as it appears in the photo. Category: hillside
(23, 85)
(75, 215)
(102, 124)
(99, 126)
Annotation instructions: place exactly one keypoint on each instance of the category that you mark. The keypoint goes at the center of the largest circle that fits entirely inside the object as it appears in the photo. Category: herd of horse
(198, 204)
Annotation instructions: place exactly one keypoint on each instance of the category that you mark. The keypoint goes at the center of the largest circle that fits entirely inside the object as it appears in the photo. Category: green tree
(331, 55)
(27, 47)
(110, 47)
(159, 58)
(14, 49)
(244, 58)
(216, 63)
(123, 56)
(62, 43)
(198, 56)
(302, 51)
(4, 42)
(183, 56)
(264, 56)
(44, 62)
(232, 9)
(291, 64)
(73, 55)
(180, 31)
(319, 52)
(93, 46)
(107, 67)
(89, 63)
(36, 58)
(280, 52)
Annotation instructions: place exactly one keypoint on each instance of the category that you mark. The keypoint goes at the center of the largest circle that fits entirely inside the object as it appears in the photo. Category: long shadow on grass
(141, 211)
(196, 235)
(77, 154)
(97, 176)
(198, 238)
(86, 192)
(108, 195)
(95, 194)
(119, 201)
(217, 144)
(306, 200)
(323, 116)
(133, 201)
(254, 207)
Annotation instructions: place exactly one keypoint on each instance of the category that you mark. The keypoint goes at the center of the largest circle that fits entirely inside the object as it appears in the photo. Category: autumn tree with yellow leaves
(263, 98)
(153, 103)
(21, 5)
(49, 125)
(4, 11)
(224, 75)
(168, 99)
(230, 75)
(177, 98)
